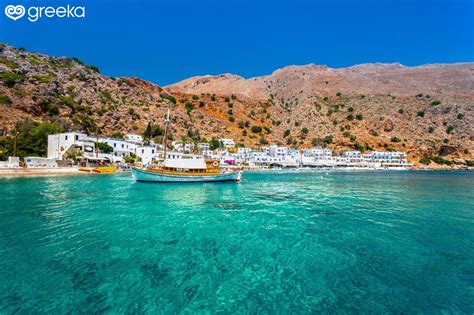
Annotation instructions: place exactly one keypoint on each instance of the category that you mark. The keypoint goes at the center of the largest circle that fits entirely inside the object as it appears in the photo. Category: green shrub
(326, 99)
(420, 114)
(93, 68)
(195, 97)
(256, 129)
(227, 100)
(8, 63)
(350, 117)
(188, 106)
(460, 116)
(440, 160)
(470, 163)
(21, 92)
(286, 133)
(213, 98)
(401, 111)
(231, 118)
(328, 139)
(230, 112)
(233, 97)
(77, 60)
(419, 95)
(436, 102)
(5, 100)
(43, 78)
(373, 133)
(425, 160)
(359, 117)
(53, 110)
(11, 78)
(170, 98)
(201, 104)
(350, 109)
(338, 94)
(430, 129)
(304, 130)
(395, 139)
(449, 129)
(230, 105)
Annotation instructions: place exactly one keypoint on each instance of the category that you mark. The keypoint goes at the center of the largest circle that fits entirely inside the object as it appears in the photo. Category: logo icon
(14, 12)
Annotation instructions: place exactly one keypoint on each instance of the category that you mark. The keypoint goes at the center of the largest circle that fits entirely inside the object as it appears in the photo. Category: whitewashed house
(59, 145)
(227, 143)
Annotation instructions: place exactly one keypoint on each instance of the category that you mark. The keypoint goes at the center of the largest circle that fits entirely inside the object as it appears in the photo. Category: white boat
(186, 171)
(144, 175)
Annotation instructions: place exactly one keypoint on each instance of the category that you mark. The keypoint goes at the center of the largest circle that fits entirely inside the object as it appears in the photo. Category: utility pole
(15, 139)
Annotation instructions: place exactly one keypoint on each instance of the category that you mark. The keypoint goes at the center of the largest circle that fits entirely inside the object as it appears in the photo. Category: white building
(227, 143)
(121, 148)
(317, 157)
(137, 139)
(59, 145)
(147, 154)
(13, 162)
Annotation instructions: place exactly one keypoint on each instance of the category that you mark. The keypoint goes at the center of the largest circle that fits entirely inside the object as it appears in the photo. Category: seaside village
(66, 149)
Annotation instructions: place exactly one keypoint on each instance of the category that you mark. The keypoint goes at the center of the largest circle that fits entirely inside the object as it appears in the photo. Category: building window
(65, 138)
(77, 137)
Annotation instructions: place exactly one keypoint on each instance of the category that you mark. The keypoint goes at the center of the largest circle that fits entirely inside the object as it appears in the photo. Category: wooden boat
(97, 166)
(189, 170)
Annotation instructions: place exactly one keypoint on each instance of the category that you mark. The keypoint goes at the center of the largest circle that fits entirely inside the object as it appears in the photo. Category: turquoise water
(379, 242)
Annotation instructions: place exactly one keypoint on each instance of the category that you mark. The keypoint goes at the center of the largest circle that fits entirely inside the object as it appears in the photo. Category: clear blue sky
(166, 41)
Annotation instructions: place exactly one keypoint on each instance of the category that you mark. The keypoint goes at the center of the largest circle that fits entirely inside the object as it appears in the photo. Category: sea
(360, 242)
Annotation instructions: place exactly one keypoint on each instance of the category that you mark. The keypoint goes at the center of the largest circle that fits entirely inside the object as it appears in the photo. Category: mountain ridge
(291, 107)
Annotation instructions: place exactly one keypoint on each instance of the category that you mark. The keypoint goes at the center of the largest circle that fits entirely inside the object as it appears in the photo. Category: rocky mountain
(425, 111)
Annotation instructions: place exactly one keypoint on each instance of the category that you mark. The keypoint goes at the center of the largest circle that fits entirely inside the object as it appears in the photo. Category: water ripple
(300, 242)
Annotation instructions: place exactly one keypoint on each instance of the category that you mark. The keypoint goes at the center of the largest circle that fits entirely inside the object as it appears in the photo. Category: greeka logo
(16, 12)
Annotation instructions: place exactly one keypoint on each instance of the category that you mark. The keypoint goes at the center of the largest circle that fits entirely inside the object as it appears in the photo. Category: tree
(395, 139)
(425, 160)
(189, 106)
(32, 139)
(182, 141)
(147, 132)
(105, 148)
(214, 144)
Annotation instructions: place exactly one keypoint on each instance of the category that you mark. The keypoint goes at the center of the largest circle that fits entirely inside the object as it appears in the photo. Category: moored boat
(97, 166)
(186, 171)
(191, 169)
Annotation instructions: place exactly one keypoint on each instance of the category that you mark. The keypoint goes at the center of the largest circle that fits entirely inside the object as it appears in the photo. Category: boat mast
(165, 136)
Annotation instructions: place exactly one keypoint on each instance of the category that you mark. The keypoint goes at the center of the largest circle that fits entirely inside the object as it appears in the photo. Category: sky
(165, 41)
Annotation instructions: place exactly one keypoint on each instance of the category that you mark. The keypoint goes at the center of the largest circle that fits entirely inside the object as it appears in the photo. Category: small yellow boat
(97, 166)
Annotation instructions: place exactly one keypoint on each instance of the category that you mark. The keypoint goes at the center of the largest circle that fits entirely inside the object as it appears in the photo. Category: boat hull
(142, 175)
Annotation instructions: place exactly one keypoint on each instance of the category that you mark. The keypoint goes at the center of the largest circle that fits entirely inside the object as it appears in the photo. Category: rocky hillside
(425, 110)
